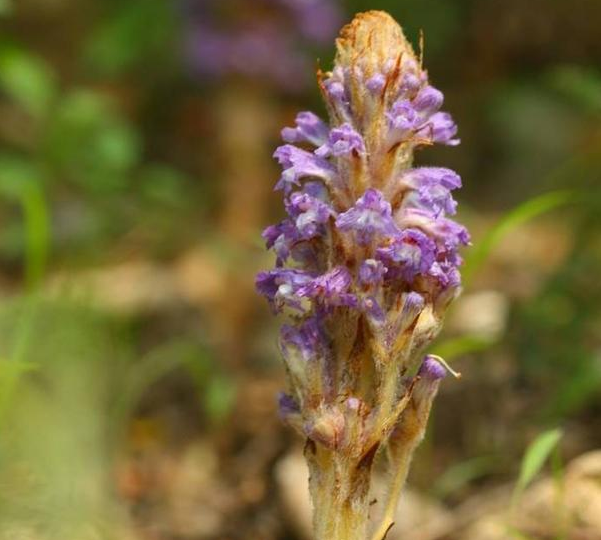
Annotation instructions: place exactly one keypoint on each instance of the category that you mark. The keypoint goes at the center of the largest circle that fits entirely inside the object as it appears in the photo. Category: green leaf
(27, 79)
(518, 216)
(535, 457)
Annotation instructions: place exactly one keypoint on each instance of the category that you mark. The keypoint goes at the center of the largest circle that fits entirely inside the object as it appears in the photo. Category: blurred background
(138, 369)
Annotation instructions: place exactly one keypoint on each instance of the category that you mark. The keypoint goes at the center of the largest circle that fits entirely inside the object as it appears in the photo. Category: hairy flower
(372, 254)
(370, 216)
(376, 226)
(342, 141)
(298, 164)
(309, 128)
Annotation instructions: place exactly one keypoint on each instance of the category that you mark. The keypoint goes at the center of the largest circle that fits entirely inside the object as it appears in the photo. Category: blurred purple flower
(265, 39)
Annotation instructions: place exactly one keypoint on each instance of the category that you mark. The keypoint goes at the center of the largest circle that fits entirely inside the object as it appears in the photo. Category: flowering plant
(366, 266)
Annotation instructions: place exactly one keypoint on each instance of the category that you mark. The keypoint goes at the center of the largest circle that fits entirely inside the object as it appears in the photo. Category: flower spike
(367, 263)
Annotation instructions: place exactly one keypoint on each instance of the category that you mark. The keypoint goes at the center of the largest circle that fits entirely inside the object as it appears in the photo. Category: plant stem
(339, 487)
(400, 469)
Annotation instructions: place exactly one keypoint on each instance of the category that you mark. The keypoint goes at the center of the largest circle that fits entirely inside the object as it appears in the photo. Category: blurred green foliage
(27, 79)
(131, 33)
(70, 383)
(76, 144)
(54, 448)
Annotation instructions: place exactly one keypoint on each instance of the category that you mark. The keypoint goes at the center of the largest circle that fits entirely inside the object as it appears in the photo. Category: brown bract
(373, 37)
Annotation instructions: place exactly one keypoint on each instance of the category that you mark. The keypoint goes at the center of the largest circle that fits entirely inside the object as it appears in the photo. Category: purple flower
(446, 232)
(309, 128)
(306, 339)
(316, 189)
(376, 83)
(403, 118)
(281, 238)
(413, 303)
(446, 273)
(411, 252)
(432, 369)
(371, 216)
(371, 272)
(451, 233)
(309, 213)
(298, 164)
(428, 100)
(412, 78)
(371, 307)
(330, 288)
(433, 186)
(441, 129)
(342, 141)
(420, 116)
(335, 89)
(281, 286)
(410, 83)
(272, 232)
(287, 405)
(434, 175)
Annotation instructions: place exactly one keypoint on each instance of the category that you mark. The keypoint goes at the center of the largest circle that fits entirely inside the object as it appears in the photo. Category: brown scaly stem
(339, 487)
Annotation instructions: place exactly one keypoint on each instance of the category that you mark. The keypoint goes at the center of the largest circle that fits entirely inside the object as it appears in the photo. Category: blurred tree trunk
(245, 117)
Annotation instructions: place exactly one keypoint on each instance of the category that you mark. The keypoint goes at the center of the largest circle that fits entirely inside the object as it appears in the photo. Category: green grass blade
(535, 457)
(513, 219)
(22, 182)
(37, 228)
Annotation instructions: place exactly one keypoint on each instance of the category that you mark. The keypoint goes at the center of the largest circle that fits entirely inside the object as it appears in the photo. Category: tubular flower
(367, 261)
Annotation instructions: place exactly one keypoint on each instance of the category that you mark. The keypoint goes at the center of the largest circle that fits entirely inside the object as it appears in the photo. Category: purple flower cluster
(406, 243)
(259, 39)
(367, 252)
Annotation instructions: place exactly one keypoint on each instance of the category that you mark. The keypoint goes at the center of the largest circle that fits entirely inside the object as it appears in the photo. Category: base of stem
(339, 487)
